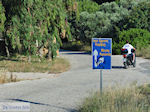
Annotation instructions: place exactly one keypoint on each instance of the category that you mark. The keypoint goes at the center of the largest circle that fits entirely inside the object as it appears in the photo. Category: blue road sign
(101, 52)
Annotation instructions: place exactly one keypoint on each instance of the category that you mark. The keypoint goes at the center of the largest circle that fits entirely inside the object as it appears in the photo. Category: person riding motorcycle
(130, 49)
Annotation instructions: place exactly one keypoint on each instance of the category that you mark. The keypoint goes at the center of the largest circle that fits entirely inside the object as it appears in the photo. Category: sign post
(101, 81)
(101, 52)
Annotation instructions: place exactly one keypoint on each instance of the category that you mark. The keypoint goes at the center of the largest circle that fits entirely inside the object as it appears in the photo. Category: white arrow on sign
(95, 57)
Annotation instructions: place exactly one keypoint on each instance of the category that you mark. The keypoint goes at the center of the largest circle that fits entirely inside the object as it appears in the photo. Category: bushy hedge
(88, 5)
(104, 23)
(101, 23)
(139, 38)
(140, 16)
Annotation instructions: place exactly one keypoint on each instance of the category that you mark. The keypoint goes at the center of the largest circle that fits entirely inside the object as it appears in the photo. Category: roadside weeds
(135, 99)
(46, 67)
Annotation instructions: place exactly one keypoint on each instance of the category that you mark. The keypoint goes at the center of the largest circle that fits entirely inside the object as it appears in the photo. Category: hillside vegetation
(29, 25)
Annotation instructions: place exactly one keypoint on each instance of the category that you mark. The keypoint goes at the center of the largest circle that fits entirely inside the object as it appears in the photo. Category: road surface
(66, 92)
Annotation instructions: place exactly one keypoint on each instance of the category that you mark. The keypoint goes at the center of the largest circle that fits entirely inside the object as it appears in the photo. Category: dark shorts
(130, 56)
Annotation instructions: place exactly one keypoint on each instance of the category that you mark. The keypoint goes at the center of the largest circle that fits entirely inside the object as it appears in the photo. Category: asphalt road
(66, 92)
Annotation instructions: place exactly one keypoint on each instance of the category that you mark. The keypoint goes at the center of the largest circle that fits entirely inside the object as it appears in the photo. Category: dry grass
(5, 78)
(120, 100)
(86, 48)
(144, 52)
(56, 66)
(21, 64)
(59, 65)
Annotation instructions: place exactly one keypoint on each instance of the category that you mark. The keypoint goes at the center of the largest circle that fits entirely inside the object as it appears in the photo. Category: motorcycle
(128, 58)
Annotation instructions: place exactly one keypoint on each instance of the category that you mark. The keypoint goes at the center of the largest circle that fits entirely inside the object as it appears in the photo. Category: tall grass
(120, 100)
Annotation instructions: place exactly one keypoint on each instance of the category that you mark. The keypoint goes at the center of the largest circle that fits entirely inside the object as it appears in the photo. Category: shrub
(139, 38)
(102, 23)
(93, 25)
(140, 16)
(88, 6)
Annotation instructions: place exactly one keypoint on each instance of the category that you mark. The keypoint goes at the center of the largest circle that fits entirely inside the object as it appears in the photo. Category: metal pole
(101, 82)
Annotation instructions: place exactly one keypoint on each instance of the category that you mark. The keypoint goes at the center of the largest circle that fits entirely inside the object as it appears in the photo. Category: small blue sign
(101, 52)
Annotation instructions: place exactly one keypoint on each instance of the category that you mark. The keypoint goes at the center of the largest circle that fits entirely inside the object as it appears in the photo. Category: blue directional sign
(101, 52)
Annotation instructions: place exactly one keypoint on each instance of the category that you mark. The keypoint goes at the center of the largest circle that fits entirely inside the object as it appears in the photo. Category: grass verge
(59, 65)
(144, 52)
(5, 78)
(120, 100)
(56, 66)
(7, 66)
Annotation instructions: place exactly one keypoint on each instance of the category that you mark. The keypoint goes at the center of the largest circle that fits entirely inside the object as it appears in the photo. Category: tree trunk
(29, 58)
(7, 50)
(49, 53)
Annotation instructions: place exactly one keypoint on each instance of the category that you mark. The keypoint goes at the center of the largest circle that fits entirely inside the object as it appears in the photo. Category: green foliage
(32, 24)
(102, 23)
(79, 6)
(140, 16)
(2, 17)
(129, 4)
(88, 6)
(111, 18)
(139, 38)
(93, 25)
(72, 9)
(35, 24)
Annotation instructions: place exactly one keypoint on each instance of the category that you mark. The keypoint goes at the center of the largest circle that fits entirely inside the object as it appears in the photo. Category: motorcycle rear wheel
(134, 63)
(125, 65)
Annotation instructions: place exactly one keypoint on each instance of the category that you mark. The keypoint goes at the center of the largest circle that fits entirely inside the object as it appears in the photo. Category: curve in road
(65, 93)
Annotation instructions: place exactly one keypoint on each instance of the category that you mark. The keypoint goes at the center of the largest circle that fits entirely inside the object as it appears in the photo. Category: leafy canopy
(33, 24)
(2, 17)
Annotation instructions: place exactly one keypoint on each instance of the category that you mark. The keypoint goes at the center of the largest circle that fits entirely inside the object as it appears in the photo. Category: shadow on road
(8, 59)
(37, 103)
(117, 67)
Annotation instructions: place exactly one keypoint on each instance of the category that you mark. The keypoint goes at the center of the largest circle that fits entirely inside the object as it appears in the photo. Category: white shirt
(128, 47)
